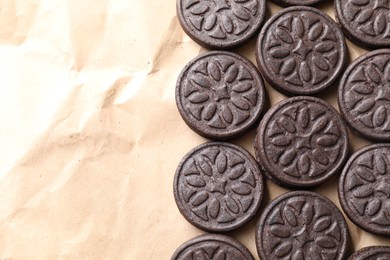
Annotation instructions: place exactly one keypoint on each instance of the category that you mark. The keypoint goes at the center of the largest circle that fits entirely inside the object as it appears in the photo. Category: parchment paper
(90, 133)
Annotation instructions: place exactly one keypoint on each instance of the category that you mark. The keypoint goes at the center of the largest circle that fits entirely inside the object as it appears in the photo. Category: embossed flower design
(220, 92)
(208, 253)
(221, 19)
(368, 94)
(369, 16)
(303, 140)
(218, 186)
(302, 49)
(300, 229)
(369, 187)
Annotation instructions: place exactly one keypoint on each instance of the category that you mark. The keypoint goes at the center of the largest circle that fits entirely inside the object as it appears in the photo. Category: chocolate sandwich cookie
(218, 186)
(301, 51)
(302, 225)
(364, 95)
(364, 189)
(301, 142)
(221, 24)
(365, 22)
(220, 95)
(296, 2)
(372, 253)
(212, 247)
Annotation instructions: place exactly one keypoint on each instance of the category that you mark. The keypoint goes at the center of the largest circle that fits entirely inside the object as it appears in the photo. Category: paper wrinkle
(20, 19)
(134, 83)
(172, 37)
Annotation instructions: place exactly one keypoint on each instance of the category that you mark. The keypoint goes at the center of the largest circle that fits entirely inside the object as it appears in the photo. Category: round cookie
(221, 24)
(212, 247)
(301, 142)
(372, 253)
(220, 95)
(364, 189)
(218, 186)
(364, 95)
(365, 22)
(302, 225)
(301, 51)
(296, 2)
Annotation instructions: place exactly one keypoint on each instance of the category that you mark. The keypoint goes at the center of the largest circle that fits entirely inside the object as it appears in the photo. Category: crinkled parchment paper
(90, 134)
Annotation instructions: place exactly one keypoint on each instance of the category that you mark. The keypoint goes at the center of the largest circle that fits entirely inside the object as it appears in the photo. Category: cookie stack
(301, 142)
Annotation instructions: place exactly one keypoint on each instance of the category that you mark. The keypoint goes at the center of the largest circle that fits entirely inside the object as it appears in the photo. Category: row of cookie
(221, 95)
(300, 51)
(230, 24)
(215, 180)
(223, 247)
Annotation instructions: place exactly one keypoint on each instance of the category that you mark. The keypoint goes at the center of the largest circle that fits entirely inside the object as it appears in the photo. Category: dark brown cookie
(364, 95)
(364, 189)
(372, 253)
(218, 186)
(221, 24)
(365, 22)
(302, 142)
(212, 247)
(220, 95)
(302, 225)
(301, 51)
(296, 2)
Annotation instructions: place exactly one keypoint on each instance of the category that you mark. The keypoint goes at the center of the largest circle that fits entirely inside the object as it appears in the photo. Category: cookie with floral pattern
(221, 24)
(365, 22)
(301, 142)
(216, 247)
(301, 51)
(364, 95)
(364, 189)
(220, 95)
(302, 225)
(218, 186)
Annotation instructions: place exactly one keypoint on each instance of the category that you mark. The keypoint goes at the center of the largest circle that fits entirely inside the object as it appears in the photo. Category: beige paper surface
(91, 136)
